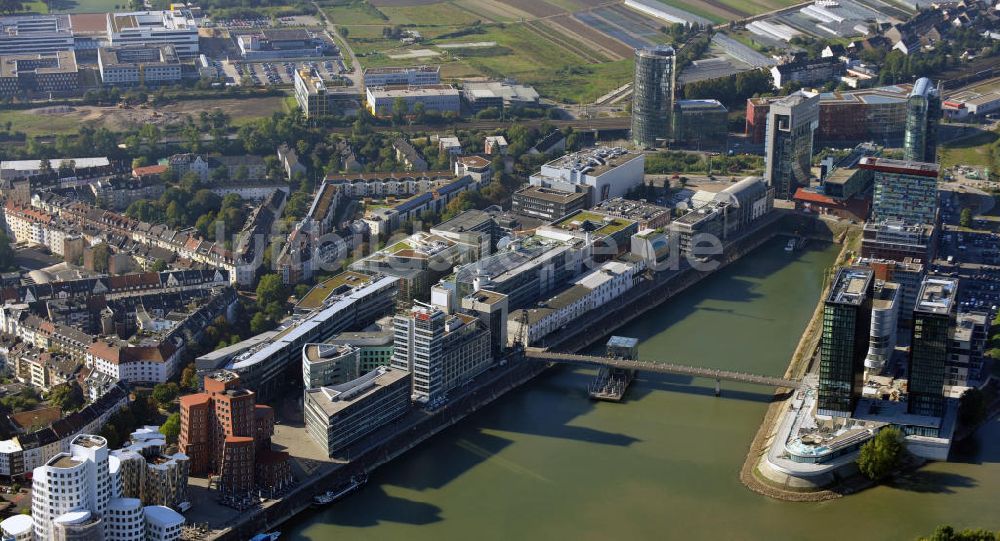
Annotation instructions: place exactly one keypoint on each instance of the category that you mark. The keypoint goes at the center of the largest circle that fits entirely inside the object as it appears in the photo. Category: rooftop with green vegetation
(602, 224)
(322, 291)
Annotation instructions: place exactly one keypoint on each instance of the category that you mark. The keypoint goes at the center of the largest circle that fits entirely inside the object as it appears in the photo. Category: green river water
(544, 462)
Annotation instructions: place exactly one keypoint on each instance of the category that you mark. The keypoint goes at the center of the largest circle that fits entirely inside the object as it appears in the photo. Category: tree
(947, 533)
(965, 219)
(301, 290)
(7, 254)
(171, 428)
(67, 396)
(110, 433)
(260, 323)
(882, 454)
(270, 290)
(189, 377)
(101, 254)
(165, 393)
(11, 7)
(159, 266)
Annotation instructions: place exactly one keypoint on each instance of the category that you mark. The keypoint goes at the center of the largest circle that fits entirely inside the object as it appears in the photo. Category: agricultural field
(449, 13)
(570, 50)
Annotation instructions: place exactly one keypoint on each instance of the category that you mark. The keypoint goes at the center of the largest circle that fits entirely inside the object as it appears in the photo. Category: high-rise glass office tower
(653, 95)
(923, 111)
(906, 191)
(791, 122)
(933, 317)
(847, 314)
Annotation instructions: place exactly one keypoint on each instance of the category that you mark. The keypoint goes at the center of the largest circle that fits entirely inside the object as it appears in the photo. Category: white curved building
(885, 315)
(124, 519)
(17, 527)
(162, 523)
(77, 495)
(69, 482)
(79, 525)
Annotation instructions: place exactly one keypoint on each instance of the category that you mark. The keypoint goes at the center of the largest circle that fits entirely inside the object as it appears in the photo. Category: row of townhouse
(184, 244)
(157, 359)
(113, 287)
(154, 359)
(23, 453)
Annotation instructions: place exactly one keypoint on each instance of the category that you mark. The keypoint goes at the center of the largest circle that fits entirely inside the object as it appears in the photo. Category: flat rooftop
(966, 323)
(470, 220)
(89, 440)
(550, 195)
(632, 210)
(484, 296)
(402, 69)
(594, 161)
(885, 295)
(850, 286)
(46, 63)
(322, 291)
(595, 222)
(319, 352)
(334, 399)
(64, 460)
(402, 91)
(905, 167)
(937, 295)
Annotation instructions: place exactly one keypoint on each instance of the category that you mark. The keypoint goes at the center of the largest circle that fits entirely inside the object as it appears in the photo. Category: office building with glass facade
(653, 95)
(791, 122)
(933, 318)
(923, 111)
(847, 313)
(905, 191)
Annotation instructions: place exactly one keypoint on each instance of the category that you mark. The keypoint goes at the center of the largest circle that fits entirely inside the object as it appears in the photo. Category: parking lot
(279, 73)
(971, 255)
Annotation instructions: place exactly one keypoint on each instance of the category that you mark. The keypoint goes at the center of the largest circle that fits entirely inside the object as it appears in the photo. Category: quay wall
(652, 292)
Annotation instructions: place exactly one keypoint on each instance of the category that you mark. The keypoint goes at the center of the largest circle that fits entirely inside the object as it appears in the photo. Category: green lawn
(350, 13)
(35, 7)
(974, 151)
(88, 6)
(34, 124)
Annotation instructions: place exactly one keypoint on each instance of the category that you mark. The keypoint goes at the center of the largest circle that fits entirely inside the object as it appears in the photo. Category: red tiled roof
(41, 417)
(149, 170)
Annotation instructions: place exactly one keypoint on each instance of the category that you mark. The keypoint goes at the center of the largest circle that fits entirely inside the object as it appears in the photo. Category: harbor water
(545, 462)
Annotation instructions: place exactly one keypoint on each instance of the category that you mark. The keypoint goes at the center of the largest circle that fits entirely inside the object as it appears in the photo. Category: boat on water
(790, 246)
(272, 536)
(331, 496)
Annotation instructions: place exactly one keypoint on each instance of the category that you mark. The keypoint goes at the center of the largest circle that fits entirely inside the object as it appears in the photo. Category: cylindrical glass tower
(653, 95)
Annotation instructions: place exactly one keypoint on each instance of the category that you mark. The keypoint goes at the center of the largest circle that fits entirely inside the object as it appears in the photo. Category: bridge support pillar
(718, 387)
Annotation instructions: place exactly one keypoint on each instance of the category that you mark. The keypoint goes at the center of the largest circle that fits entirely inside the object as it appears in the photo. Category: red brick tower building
(224, 432)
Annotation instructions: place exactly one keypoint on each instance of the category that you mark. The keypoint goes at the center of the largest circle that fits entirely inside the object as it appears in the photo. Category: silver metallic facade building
(653, 95)
(923, 111)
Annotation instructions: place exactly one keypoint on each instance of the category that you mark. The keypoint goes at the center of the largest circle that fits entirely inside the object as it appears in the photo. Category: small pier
(612, 382)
